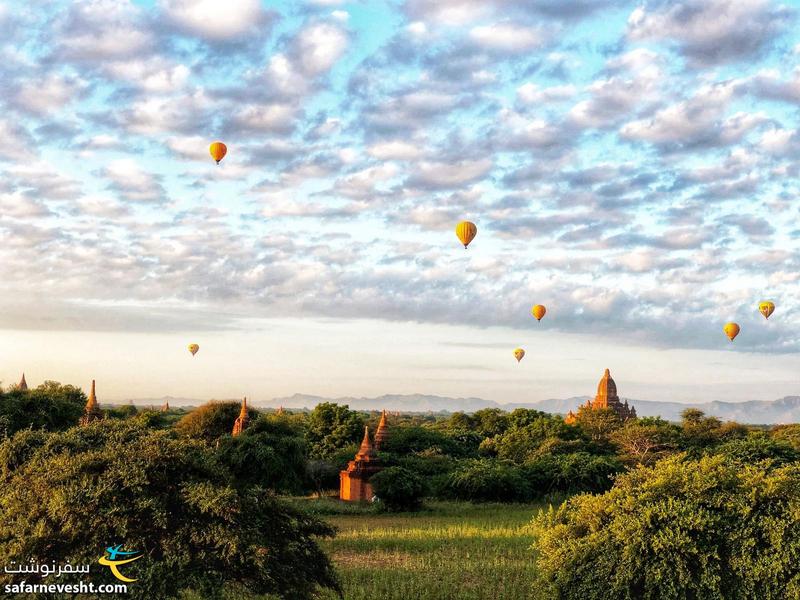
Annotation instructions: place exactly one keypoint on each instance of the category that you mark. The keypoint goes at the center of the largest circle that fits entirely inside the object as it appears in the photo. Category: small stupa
(243, 420)
(23, 385)
(382, 433)
(354, 483)
(91, 411)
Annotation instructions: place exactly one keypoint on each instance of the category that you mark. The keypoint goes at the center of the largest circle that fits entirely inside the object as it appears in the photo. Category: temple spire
(23, 385)
(91, 411)
(382, 433)
(243, 420)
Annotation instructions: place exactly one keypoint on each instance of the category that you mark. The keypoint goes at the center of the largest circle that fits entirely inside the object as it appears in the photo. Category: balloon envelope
(731, 330)
(766, 308)
(519, 353)
(193, 348)
(466, 232)
(218, 150)
(538, 311)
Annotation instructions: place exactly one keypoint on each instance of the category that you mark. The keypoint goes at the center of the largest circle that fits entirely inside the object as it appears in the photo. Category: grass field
(450, 550)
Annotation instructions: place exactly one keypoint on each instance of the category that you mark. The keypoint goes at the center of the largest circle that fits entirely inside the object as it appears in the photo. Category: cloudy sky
(632, 166)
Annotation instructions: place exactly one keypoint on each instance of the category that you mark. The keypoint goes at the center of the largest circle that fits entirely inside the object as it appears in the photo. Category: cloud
(217, 21)
(133, 183)
(711, 32)
(507, 37)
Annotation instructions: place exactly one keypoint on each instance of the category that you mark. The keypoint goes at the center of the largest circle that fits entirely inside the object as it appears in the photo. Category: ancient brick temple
(382, 433)
(242, 421)
(91, 411)
(606, 398)
(354, 483)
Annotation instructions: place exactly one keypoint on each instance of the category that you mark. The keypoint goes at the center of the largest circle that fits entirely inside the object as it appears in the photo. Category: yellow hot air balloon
(466, 232)
(519, 353)
(538, 311)
(731, 330)
(766, 308)
(193, 348)
(218, 150)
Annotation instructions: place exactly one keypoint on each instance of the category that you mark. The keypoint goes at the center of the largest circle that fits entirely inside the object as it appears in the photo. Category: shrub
(211, 421)
(487, 480)
(758, 447)
(682, 529)
(398, 489)
(574, 472)
(65, 497)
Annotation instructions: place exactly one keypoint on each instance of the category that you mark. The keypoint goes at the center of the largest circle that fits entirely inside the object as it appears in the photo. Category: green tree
(521, 443)
(713, 528)
(50, 406)
(332, 427)
(645, 441)
(398, 489)
(271, 453)
(212, 420)
(67, 496)
(487, 480)
(598, 423)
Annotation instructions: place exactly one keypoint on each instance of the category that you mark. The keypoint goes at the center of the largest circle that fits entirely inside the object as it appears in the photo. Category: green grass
(450, 550)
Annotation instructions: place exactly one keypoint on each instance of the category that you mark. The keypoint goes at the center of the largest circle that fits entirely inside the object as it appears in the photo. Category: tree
(489, 422)
(270, 453)
(644, 442)
(331, 427)
(521, 443)
(212, 420)
(487, 480)
(50, 406)
(699, 431)
(598, 423)
(398, 489)
(712, 528)
(67, 496)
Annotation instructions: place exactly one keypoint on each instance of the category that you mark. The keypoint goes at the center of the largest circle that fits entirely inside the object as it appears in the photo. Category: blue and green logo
(110, 559)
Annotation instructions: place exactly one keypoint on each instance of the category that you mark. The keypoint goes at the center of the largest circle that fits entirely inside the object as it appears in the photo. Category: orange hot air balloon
(766, 308)
(538, 311)
(466, 232)
(193, 348)
(731, 330)
(519, 353)
(218, 150)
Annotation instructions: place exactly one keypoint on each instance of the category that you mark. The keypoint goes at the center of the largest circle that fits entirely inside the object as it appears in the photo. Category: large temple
(354, 485)
(606, 398)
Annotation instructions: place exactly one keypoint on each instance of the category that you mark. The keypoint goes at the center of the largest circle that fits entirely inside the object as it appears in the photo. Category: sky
(633, 166)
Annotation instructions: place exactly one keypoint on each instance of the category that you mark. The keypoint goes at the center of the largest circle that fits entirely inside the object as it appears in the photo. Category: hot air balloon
(519, 353)
(766, 308)
(731, 330)
(466, 232)
(538, 311)
(218, 150)
(193, 348)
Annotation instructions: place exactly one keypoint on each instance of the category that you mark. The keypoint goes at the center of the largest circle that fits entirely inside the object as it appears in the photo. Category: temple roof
(365, 451)
(606, 389)
(91, 402)
(23, 385)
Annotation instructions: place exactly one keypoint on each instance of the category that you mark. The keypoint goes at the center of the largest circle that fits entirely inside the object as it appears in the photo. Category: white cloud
(507, 37)
(214, 20)
(317, 48)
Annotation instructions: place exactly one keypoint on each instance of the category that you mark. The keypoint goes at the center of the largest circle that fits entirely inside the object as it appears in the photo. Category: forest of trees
(160, 481)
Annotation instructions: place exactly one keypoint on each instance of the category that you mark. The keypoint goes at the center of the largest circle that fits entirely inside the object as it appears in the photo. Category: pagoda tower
(242, 421)
(165, 406)
(606, 398)
(354, 483)
(382, 433)
(92, 410)
(23, 385)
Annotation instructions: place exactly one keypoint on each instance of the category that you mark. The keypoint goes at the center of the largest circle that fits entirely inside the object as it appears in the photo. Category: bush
(713, 528)
(50, 406)
(65, 497)
(571, 473)
(269, 453)
(213, 420)
(398, 489)
(486, 480)
(758, 447)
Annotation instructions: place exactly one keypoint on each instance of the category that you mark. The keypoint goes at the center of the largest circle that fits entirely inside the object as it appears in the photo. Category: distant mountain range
(785, 410)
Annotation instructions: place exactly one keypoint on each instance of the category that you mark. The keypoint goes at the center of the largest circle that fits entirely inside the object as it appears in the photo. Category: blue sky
(632, 166)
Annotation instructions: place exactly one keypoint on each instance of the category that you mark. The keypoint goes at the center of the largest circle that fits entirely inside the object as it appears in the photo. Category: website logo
(110, 560)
